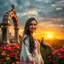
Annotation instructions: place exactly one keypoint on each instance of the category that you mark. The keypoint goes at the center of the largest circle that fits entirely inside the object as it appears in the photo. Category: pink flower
(56, 51)
(55, 48)
(51, 60)
(11, 54)
(4, 48)
(9, 49)
(1, 59)
(16, 47)
(60, 56)
(61, 50)
(15, 56)
(49, 56)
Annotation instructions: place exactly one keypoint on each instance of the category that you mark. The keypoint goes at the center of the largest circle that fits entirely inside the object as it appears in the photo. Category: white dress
(30, 58)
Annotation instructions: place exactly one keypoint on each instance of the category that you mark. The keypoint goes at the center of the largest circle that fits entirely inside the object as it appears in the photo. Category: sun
(49, 35)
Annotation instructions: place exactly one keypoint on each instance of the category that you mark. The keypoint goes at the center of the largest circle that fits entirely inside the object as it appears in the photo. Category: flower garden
(55, 55)
(10, 54)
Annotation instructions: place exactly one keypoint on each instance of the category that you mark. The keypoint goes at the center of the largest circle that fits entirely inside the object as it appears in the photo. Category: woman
(30, 52)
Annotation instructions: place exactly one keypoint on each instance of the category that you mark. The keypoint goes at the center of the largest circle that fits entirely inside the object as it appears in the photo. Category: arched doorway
(6, 23)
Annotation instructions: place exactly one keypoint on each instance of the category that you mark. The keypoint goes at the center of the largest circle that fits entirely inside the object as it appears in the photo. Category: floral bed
(9, 54)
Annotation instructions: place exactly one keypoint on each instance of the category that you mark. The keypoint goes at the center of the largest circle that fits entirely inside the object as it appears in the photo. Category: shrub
(9, 54)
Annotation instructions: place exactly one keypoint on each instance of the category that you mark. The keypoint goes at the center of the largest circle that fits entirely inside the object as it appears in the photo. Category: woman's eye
(33, 24)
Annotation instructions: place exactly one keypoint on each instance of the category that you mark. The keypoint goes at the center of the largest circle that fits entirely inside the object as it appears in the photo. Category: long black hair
(27, 31)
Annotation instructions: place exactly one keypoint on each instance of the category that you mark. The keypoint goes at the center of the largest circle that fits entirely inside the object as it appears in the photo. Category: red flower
(1, 59)
(61, 50)
(9, 49)
(60, 56)
(4, 47)
(51, 60)
(55, 48)
(15, 56)
(55, 52)
(16, 47)
(11, 54)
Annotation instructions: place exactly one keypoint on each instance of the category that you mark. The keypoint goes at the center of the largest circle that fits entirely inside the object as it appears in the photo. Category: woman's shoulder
(25, 36)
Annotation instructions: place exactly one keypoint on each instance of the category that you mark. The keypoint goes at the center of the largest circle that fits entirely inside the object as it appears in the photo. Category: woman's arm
(27, 53)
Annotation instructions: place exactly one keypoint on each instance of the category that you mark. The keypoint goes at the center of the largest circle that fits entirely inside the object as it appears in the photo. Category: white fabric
(26, 57)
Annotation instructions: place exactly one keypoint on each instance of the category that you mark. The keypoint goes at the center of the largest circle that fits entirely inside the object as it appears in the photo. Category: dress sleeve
(29, 55)
(25, 51)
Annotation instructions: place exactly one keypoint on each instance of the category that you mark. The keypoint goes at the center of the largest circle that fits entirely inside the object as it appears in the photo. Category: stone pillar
(5, 35)
(16, 34)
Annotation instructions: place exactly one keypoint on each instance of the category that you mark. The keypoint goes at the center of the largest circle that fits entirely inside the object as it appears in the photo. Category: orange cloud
(58, 8)
(53, 5)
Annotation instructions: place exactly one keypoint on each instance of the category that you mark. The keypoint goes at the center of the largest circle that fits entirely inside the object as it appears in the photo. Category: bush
(9, 54)
(57, 56)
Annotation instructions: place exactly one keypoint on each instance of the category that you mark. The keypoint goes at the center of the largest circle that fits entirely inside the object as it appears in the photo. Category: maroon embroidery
(22, 59)
(27, 61)
(34, 62)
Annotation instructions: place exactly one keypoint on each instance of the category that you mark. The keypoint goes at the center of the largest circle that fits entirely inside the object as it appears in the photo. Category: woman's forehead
(33, 21)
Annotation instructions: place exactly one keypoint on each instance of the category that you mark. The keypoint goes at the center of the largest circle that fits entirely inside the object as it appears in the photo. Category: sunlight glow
(49, 35)
(39, 33)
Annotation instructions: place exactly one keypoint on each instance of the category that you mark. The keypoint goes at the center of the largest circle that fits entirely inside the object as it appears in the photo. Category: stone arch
(6, 23)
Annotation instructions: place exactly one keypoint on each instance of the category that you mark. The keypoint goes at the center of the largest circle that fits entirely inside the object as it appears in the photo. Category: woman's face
(33, 26)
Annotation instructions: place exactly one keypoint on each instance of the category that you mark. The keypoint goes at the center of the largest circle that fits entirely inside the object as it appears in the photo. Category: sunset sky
(48, 13)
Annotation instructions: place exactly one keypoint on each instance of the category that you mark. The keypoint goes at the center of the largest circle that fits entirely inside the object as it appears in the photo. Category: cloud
(5, 5)
(49, 13)
(58, 8)
(53, 4)
(31, 12)
(41, 9)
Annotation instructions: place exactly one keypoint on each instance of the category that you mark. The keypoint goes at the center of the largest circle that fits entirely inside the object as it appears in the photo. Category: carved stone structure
(6, 23)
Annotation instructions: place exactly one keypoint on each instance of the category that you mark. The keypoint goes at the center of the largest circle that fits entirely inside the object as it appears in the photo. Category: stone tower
(6, 23)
